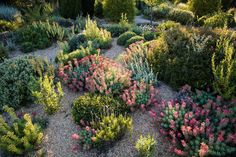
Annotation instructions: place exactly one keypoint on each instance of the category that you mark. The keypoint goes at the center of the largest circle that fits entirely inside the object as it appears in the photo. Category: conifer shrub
(203, 7)
(123, 38)
(112, 9)
(220, 20)
(181, 16)
(90, 107)
(19, 136)
(15, 77)
(70, 8)
(48, 94)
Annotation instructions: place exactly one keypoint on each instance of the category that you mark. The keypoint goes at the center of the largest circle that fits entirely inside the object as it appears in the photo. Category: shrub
(219, 20)
(182, 16)
(63, 22)
(112, 128)
(95, 74)
(116, 30)
(112, 9)
(133, 40)
(174, 58)
(225, 70)
(10, 14)
(19, 136)
(15, 76)
(98, 8)
(30, 38)
(53, 30)
(79, 53)
(102, 36)
(123, 38)
(167, 25)
(135, 59)
(48, 95)
(203, 7)
(137, 30)
(149, 35)
(3, 52)
(162, 11)
(199, 130)
(90, 108)
(70, 8)
(145, 146)
(7, 26)
(139, 96)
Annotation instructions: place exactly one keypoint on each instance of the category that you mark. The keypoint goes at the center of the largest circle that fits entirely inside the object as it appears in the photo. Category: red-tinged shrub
(199, 130)
(139, 96)
(96, 74)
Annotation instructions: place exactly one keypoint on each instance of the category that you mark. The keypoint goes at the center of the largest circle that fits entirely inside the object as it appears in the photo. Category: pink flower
(75, 136)
(203, 150)
(184, 144)
(176, 114)
(179, 152)
(143, 107)
(162, 114)
(88, 128)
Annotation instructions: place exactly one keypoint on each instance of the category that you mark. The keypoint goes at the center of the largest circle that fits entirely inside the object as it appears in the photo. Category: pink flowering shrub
(139, 96)
(199, 129)
(96, 74)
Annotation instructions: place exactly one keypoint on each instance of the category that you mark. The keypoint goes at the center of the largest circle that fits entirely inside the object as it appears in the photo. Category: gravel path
(115, 50)
(140, 20)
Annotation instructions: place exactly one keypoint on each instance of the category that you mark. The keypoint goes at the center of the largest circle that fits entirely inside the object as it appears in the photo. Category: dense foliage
(70, 8)
(15, 77)
(145, 146)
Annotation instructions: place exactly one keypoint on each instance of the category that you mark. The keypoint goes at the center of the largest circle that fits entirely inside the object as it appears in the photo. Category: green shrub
(219, 20)
(98, 8)
(149, 35)
(167, 25)
(182, 16)
(91, 107)
(123, 38)
(137, 30)
(204, 7)
(46, 94)
(30, 38)
(19, 136)
(101, 36)
(70, 8)
(116, 30)
(224, 72)
(133, 40)
(15, 77)
(162, 11)
(112, 9)
(145, 146)
(3, 52)
(62, 21)
(174, 58)
(112, 128)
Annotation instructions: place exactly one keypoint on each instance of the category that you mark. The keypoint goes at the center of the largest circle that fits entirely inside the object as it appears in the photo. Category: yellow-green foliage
(48, 96)
(224, 71)
(21, 135)
(111, 128)
(92, 32)
(145, 146)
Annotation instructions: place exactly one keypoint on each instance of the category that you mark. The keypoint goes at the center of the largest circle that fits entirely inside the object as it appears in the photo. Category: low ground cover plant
(145, 146)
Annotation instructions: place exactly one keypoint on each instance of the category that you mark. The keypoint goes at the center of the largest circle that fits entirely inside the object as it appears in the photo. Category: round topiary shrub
(16, 76)
(182, 16)
(204, 7)
(133, 40)
(91, 107)
(113, 9)
(123, 38)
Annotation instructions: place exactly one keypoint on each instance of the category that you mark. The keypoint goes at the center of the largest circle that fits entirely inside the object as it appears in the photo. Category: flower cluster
(96, 74)
(201, 129)
(139, 95)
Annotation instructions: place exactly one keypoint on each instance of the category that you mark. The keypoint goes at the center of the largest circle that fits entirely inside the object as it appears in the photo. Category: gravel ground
(57, 140)
(140, 20)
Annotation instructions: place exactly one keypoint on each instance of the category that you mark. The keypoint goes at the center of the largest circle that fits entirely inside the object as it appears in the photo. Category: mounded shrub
(16, 76)
(123, 38)
(204, 7)
(182, 16)
(133, 40)
(180, 58)
(117, 29)
(220, 20)
(10, 14)
(166, 26)
(113, 9)
(91, 107)
(162, 11)
(70, 8)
